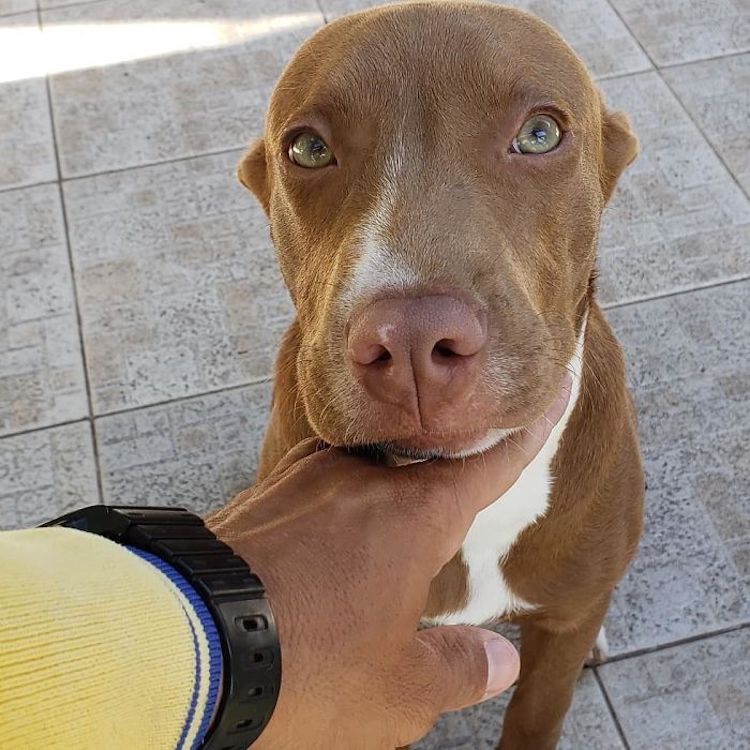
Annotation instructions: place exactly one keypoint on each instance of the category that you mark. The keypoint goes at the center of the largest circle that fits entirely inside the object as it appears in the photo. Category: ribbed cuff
(207, 653)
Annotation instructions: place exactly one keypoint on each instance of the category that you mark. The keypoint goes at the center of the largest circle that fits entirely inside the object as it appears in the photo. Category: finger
(480, 480)
(303, 449)
(461, 666)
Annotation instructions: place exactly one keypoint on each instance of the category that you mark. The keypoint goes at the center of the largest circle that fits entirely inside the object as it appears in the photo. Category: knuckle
(326, 460)
(458, 661)
(417, 695)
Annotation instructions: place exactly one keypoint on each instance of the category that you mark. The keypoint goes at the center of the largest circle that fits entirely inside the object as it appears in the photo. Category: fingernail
(503, 664)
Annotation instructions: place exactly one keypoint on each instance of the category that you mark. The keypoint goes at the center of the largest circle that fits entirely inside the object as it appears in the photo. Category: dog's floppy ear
(619, 148)
(252, 172)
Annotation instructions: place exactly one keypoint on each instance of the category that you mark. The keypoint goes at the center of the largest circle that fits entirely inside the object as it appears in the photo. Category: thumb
(465, 665)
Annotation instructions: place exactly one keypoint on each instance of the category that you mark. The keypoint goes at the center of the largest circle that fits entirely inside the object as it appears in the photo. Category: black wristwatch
(234, 595)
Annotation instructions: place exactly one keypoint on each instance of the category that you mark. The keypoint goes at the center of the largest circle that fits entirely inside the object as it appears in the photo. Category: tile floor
(141, 305)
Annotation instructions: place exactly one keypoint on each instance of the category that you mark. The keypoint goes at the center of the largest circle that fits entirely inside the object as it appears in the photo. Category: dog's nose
(417, 352)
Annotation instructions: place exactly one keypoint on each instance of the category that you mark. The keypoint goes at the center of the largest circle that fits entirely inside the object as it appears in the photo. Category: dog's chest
(489, 540)
(496, 529)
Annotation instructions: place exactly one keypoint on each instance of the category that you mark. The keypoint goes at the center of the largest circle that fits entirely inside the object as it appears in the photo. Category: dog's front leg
(552, 656)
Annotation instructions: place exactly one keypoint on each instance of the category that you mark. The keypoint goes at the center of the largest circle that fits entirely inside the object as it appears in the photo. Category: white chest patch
(496, 528)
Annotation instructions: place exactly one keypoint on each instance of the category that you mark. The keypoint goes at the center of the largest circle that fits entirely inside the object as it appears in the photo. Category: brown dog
(435, 174)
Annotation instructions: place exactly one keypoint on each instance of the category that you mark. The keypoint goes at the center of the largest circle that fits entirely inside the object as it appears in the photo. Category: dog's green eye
(310, 151)
(538, 135)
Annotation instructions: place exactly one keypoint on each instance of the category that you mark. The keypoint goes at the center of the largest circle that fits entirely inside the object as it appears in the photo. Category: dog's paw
(600, 652)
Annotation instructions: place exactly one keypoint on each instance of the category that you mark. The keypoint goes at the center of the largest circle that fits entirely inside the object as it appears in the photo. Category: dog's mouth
(432, 446)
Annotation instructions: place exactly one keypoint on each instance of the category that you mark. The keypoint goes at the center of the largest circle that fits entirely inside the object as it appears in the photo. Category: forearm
(98, 648)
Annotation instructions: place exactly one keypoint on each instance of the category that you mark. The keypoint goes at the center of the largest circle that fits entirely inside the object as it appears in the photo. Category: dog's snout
(420, 353)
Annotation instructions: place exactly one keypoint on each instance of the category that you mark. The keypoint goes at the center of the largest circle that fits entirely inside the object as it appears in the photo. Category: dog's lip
(428, 442)
(426, 446)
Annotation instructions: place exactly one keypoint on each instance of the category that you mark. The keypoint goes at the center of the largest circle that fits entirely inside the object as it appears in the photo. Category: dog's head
(435, 174)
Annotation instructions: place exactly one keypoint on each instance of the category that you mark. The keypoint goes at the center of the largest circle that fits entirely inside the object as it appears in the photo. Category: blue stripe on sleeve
(215, 659)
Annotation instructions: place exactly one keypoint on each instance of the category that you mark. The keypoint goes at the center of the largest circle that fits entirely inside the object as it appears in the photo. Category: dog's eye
(310, 151)
(538, 135)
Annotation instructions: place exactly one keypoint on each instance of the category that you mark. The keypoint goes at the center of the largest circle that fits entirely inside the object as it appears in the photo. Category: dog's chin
(404, 451)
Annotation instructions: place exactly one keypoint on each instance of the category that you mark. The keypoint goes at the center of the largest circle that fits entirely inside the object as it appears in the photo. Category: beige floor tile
(678, 219)
(27, 154)
(590, 26)
(178, 283)
(50, 4)
(46, 473)
(717, 95)
(181, 102)
(689, 362)
(41, 371)
(16, 6)
(588, 724)
(336, 8)
(196, 453)
(675, 31)
(693, 697)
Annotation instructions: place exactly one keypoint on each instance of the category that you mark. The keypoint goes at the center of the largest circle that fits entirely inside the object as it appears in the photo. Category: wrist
(278, 732)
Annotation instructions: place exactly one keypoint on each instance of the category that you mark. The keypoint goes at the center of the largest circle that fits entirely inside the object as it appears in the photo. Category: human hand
(347, 551)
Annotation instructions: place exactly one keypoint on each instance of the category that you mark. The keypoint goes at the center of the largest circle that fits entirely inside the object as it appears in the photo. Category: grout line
(4, 190)
(710, 58)
(180, 399)
(65, 6)
(74, 287)
(141, 407)
(628, 74)
(42, 428)
(158, 163)
(97, 462)
(15, 13)
(118, 170)
(677, 98)
(676, 293)
(322, 12)
(611, 709)
(674, 644)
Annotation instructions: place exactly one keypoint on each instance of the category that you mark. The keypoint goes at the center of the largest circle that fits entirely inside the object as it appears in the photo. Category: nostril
(444, 349)
(366, 354)
(384, 355)
(447, 349)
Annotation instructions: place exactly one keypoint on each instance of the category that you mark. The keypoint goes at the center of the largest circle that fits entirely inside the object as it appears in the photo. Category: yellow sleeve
(99, 649)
